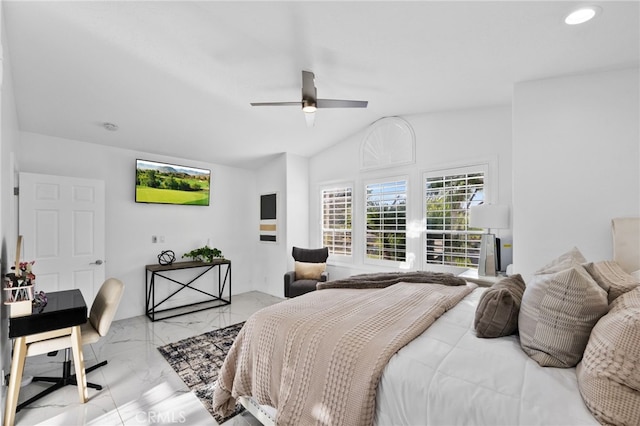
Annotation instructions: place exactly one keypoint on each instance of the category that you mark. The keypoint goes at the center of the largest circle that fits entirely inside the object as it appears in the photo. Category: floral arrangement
(20, 285)
(24, 276)
(26, 270)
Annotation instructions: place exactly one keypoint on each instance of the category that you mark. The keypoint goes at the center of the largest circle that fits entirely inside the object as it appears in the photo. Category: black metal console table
(213, 300)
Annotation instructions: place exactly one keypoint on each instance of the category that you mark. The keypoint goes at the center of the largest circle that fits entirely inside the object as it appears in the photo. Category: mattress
(448, 376)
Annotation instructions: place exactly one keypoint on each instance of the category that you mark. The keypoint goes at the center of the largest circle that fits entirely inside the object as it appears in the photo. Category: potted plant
(204, 254)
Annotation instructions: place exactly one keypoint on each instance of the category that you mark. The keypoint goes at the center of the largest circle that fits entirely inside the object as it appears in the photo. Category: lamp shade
(489, 216)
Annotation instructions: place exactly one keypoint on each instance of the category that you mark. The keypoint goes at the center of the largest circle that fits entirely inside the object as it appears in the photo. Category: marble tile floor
(139, 386)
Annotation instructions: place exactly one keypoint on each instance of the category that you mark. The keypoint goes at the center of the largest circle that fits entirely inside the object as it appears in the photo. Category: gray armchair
(295, 287)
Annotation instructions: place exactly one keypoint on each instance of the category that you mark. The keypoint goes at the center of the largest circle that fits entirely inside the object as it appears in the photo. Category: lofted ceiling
(177, 77)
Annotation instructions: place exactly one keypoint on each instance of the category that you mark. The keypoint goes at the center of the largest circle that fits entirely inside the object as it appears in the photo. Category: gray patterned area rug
(198, 359)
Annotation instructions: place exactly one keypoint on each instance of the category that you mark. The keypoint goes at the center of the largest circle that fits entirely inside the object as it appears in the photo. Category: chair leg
(45, 379)
(88, 370)
(100, 364)
(59, 382)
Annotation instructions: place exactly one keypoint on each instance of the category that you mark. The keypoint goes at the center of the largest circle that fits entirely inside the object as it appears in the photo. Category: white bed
(449, 376)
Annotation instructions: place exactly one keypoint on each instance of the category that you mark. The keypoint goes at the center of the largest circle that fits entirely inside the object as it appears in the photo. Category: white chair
(103, 310)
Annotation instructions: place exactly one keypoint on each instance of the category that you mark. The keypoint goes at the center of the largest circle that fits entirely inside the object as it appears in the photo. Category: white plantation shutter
(336, 220)
(448, 196)
(386, 226)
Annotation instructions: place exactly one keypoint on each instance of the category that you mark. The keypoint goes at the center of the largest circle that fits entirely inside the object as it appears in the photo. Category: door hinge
(16, 191)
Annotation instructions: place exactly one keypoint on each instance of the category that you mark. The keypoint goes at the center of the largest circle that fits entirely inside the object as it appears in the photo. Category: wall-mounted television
(164, 183)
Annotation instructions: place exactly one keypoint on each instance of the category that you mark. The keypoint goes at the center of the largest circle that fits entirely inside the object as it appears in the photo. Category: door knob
(97, 262)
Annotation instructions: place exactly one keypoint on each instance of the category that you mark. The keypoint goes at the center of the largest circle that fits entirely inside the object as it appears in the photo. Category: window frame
(337, 258)
(365, 184)
(481, 167)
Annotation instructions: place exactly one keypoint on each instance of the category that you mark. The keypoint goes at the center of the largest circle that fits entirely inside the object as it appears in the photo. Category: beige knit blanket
(318, 358)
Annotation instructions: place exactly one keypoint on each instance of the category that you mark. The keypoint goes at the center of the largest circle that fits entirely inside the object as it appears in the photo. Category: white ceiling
(177, 76)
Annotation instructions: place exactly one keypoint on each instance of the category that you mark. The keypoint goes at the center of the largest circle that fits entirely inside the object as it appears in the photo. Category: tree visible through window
(336, 220)
(449, 240)
(386, 225)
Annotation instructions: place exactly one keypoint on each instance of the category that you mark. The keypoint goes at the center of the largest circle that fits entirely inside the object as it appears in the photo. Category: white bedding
(448, 376)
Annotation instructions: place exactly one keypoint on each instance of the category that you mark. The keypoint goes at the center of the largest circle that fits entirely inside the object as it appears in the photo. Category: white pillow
(557, 314)
(611, 277)
(608, 376)
(565, 261)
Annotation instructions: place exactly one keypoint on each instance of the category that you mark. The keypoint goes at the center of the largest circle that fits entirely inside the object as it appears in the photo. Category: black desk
(63, 309)
(63, 315)
(212, 300)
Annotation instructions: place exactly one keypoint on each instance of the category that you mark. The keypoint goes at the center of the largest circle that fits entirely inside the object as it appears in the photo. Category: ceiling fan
(310, 101)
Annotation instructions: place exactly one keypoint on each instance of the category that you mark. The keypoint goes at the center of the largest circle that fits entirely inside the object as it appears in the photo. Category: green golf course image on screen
(164, 183)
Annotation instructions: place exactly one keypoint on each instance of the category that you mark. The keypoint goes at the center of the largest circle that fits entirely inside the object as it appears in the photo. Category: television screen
(164, 183)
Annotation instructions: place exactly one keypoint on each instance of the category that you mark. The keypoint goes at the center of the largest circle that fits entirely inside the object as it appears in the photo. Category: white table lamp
(488, 216)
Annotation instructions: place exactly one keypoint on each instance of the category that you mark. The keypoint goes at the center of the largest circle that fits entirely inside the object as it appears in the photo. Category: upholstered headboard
(626, 242)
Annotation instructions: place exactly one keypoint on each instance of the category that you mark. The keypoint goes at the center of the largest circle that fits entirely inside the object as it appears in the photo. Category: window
(386, 224)
(448, 197)
(336, 220)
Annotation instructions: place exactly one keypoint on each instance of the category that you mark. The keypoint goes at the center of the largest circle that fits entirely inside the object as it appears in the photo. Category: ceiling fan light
(310, 118)
(308, 106)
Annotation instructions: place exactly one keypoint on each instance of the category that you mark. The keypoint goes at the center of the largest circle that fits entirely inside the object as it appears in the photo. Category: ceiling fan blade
(310, 100)
(308, 86)
(276, 103)
(340, 103)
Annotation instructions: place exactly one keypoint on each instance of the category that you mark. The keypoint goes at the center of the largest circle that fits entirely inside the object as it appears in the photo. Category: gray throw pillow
(498, 309)
(557, 314)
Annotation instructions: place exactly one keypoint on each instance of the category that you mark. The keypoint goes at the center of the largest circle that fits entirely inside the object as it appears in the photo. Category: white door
(62, 226)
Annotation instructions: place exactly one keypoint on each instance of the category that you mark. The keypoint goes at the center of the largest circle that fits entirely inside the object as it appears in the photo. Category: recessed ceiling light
(581, 15)
(110, 126)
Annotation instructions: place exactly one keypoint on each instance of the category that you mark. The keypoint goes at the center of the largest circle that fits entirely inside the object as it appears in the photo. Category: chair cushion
(309, 271)
(498, 309)
(557, 314)
(609, 374)
(89, 334)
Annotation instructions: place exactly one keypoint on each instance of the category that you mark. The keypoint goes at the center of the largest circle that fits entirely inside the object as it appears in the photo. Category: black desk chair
(310, 269)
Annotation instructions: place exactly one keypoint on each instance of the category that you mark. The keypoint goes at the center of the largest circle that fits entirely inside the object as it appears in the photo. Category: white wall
(443, 139)
(576, 164)
(8, 139)
(129, 226)
(270, 262)
(288, 176)
(297, 205)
